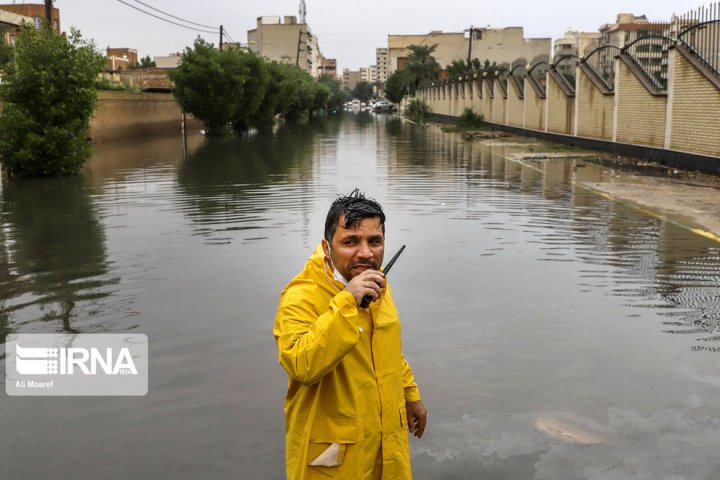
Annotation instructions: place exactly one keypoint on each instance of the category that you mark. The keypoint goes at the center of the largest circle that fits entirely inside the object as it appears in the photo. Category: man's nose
(364, 251)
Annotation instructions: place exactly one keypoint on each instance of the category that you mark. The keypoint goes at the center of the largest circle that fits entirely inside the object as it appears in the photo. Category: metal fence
(699, 31)
(600, 57)
(648, 47)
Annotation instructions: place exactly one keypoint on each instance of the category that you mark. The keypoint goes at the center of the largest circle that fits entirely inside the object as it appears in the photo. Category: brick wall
(640, 115)
(124, 114)
(514, 107)
(487, 104)
(594, 110)
(696, 104)
(534, 109)
(560, 109)
(499, 106)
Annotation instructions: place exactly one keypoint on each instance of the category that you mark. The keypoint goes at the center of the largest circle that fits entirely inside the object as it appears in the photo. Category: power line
(173, 16)
(165, 19)
(227, 35)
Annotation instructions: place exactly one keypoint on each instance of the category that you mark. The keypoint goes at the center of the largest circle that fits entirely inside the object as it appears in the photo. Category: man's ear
(326, 247)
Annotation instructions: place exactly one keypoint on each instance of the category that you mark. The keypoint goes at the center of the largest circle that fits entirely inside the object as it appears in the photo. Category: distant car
(383, 106)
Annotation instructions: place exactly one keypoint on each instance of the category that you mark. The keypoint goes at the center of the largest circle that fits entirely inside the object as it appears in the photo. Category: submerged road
(555, 333)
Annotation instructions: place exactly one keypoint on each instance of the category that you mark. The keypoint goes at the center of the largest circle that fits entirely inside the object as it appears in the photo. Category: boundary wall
(678, 127)
(121, 115)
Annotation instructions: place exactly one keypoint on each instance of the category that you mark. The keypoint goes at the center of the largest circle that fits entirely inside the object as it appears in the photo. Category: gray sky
(348, 31)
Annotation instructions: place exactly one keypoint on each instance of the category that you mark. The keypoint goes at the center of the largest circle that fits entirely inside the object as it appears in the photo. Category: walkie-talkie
(367, 298)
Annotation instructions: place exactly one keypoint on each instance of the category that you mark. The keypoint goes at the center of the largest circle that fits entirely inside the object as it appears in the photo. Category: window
(38, 22)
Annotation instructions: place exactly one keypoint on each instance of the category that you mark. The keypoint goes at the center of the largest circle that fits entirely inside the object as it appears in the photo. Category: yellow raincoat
(348, 381)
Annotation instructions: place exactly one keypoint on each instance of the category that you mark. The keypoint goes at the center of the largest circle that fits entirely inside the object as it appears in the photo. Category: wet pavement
(556, 332)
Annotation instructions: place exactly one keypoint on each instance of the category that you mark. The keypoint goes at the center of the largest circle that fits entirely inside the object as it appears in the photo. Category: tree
(362, 91)
(398, 84)
(422, 64)
(7, 53)
(337, 96)
(256, 79)
(49, 96)
(146, 62)
(219, 88)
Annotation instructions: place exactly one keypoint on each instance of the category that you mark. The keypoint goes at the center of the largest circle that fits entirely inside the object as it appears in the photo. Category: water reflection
(642, 259)
(524, 296)
(224, 182)
(54, 260)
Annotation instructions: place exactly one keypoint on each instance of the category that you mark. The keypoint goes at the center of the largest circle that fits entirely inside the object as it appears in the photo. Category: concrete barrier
(127, 114)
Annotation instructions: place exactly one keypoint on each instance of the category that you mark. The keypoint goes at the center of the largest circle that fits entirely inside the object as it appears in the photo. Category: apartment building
(328, 66)
(574, 44)
(381, 64)
(285, 40)
(350, 78)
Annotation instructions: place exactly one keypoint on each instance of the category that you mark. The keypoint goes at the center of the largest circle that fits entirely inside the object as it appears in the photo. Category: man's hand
(369, 282)
(417, 417)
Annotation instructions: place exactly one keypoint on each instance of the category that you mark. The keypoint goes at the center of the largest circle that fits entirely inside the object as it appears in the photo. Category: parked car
(383, 106)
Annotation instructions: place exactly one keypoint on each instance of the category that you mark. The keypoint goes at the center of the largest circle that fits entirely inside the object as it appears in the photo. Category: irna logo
(68, 361)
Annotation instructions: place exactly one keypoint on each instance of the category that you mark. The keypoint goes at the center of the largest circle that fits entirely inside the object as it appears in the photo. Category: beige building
(575, 44)
(501, 45)
(381, 64)
(286, 41)
(350, 78)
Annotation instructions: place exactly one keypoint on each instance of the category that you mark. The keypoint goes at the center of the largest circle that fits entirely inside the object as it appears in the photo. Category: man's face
(357, 249)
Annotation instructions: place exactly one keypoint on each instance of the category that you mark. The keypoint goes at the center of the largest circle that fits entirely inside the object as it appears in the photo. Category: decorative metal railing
(699, 31)
(565, 65)
(601, 59)
(645, 45)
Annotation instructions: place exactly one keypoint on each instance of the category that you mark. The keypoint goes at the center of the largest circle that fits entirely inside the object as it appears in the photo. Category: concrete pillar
(672, 58)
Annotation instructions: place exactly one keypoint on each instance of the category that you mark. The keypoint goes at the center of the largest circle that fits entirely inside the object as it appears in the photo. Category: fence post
(672, 58)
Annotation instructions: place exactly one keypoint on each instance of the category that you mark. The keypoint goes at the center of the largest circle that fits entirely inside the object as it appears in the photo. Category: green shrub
(417, 109)
(469, 119)
(49, 97)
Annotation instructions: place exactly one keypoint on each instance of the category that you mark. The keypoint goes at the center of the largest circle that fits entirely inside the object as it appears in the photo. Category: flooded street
(555, 333)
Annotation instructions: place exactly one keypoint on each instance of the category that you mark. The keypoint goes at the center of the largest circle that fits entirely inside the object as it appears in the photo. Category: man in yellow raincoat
(351, 394)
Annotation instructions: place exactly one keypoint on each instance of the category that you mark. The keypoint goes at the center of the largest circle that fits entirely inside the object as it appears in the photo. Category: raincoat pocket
(329, 439)
(328, 429)
(326, 454)
(403, 416)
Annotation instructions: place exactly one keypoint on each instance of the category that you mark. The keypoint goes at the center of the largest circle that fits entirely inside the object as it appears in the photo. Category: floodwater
(555, 334)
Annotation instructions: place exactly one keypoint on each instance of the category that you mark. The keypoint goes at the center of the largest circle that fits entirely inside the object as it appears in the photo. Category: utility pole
(470, 48)
(221, 37)
(297, 57)
(48, 13)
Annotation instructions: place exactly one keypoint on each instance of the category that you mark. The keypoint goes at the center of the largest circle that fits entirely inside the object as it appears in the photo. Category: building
(505, 46)
(381, 64)
(574, 44)
(350, 78)
(371, 75)
(169, 61)
(121, 58)
(286, 42)
(328, 66)
(652, 55)
(35, 13)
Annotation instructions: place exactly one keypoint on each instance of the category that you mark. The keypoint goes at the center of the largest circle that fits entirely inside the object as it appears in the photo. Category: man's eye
(375, 242)
(349, 242)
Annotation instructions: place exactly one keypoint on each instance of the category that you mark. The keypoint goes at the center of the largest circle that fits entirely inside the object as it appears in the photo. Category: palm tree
(422, 64)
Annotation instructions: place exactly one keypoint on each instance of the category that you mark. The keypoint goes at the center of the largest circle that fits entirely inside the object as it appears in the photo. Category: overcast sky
(347, 30)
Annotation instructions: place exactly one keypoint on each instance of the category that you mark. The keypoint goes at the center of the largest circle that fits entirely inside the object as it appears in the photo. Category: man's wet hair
(355, 207)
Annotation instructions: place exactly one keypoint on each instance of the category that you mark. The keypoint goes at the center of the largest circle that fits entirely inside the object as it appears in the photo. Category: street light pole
(221, 37)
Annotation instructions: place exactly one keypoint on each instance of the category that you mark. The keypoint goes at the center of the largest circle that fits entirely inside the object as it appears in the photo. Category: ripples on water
(191, 242)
